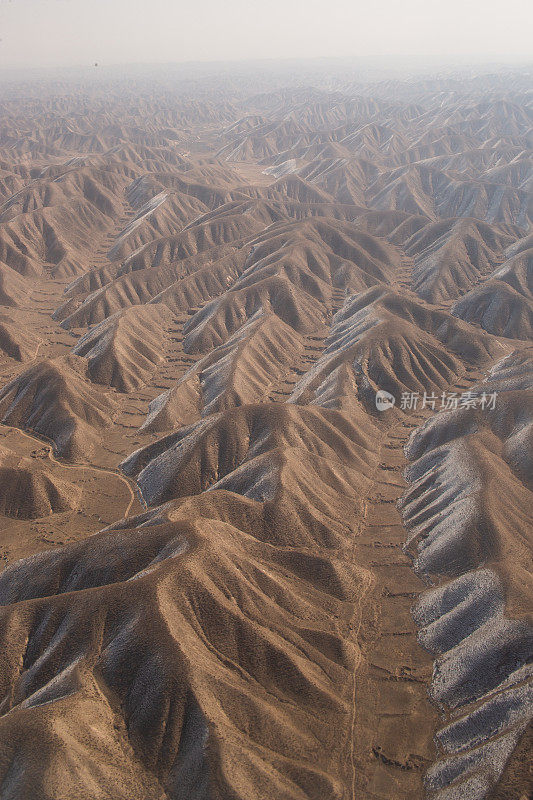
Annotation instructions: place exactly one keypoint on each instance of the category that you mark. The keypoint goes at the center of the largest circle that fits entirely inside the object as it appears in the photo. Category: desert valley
(228, 573)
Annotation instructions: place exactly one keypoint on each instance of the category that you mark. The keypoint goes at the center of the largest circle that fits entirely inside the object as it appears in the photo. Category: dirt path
(392, 741)
(80, 467)
(394, 721)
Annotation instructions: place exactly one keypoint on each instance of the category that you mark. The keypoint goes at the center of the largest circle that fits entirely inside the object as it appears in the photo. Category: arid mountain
(29, 492)
(266, 440)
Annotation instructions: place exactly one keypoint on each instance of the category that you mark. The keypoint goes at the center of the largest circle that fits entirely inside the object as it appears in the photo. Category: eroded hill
(228, 573)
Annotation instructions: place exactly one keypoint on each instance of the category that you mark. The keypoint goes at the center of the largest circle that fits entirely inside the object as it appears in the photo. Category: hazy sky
(67, 32)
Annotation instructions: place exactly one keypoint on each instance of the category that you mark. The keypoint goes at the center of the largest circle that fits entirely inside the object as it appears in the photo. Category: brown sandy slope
(225, 574)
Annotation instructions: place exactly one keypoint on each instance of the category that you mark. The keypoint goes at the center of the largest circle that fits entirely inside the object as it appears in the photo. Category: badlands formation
(226, 574)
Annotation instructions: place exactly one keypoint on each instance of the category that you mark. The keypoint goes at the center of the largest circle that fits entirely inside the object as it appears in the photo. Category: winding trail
(391, 681)
(50, 454)
(391, 678)
(392, 719)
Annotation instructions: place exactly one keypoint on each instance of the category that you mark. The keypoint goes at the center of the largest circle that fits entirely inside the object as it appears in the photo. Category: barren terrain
(226, 573)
